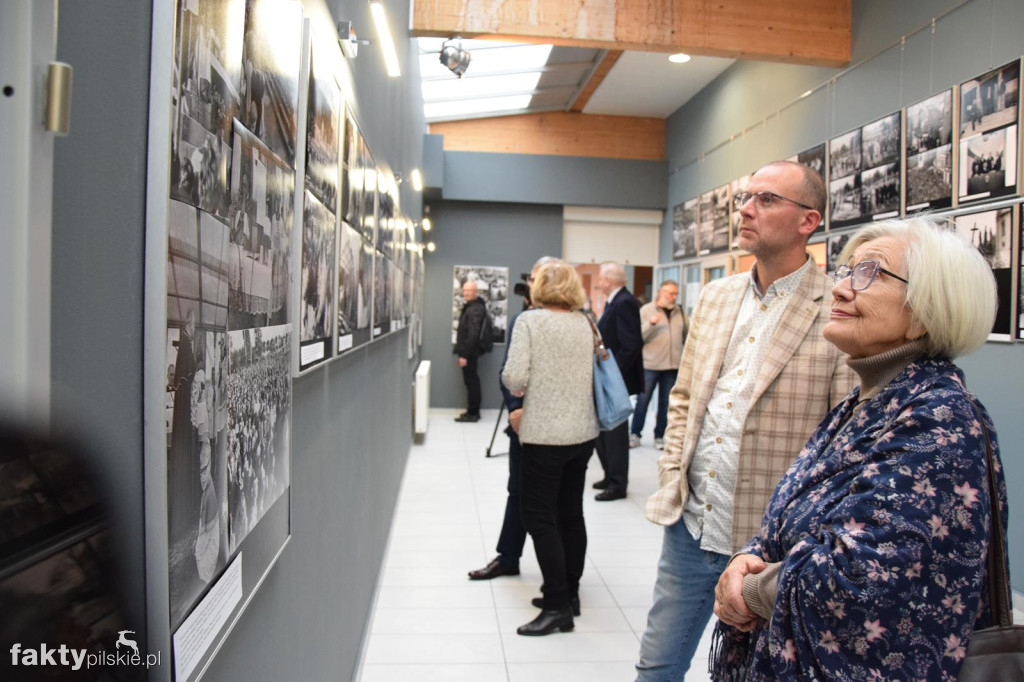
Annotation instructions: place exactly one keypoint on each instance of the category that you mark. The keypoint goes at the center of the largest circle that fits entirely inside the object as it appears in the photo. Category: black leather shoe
(495, 569)
(574, 604)
(467, 417)
(547, 622)
(601, 485)
(608, 495)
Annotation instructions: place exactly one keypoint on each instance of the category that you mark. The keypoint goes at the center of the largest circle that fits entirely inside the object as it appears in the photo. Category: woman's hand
(730, 607)
(514, 417)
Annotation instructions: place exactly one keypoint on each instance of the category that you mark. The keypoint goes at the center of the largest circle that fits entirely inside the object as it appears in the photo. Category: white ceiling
(648, 84)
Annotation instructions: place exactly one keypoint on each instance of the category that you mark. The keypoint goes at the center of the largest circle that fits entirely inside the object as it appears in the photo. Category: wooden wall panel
(560, 134)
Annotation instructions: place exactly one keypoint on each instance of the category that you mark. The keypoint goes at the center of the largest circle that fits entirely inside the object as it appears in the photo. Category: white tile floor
(432, 623)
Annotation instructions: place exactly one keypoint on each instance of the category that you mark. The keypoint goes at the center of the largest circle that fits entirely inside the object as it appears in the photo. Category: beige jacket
(802, 378)
(663, 342)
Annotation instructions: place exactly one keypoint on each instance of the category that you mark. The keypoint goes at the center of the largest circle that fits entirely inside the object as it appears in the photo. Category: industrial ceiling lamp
(455, 58)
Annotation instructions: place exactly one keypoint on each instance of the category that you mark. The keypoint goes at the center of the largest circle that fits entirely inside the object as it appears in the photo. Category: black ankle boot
(574, 604)
(547, 622)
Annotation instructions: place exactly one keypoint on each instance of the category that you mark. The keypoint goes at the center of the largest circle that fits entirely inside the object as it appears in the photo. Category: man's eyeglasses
(763, 200)
(862, 274)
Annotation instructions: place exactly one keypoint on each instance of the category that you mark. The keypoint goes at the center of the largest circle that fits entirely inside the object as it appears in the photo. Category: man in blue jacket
(620, 329)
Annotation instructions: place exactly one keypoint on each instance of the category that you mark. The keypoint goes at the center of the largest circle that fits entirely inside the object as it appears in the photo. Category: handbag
(995, 653)
(611, 398)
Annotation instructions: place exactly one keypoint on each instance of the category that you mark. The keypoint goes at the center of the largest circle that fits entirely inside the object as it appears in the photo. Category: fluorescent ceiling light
(417, 180)
(479, 86)
(387, 44)
(434, 110)
(680, 58)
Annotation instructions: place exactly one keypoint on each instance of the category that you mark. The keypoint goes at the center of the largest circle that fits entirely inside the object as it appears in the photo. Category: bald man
(620, 329)
(467, 348)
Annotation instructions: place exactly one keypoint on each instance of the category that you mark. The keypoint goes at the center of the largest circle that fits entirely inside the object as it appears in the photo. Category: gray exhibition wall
(351, 419)
(753, 97)
(470, 233)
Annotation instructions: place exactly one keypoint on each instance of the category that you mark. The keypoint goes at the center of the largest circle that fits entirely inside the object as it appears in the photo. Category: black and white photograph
(351, 174)
(813, 158)
(368, 211)
(322, 156)
(1020, 279)
(844, 198)
(316, 282)
(706, 218)
(204, 100)
(387, 194)
(684, 229)
(196, 394)
(720, 219)
(880, 191)
(880, 142)
(353, 298)
(259, 425)
(988, 165)
(197, 276)
(929, 151)
(735, 187)
(381, 303)
(271, 54)
(992, 233)
(930, 123)
(397, 297)
(491, 286)
(844, 155)
(259, 266)
(990, 101)
(834, 246)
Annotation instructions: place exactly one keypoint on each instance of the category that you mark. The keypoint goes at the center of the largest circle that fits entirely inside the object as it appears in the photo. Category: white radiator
(421, 397)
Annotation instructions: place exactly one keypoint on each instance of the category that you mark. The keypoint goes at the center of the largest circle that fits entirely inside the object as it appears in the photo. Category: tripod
(495, 433)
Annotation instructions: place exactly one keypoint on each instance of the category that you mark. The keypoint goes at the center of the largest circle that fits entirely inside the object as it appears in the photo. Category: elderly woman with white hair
(871, 562)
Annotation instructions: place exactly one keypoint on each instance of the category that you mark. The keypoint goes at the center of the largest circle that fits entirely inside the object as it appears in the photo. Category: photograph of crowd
(196, 408)
(845, 166)
(990, 101)
(845, 155)
(834, 247)
(845, 199)
(684, 229)
(204, 99)
(317, 276)
(992, 233)
(929, 150)
(381, 300)
(491, 286)
(259, 418)
(351, 174)
(880, 142)
(352, 299)
(261, 224)
(988, 164)
(880, 191)
(271, 52)
(322, 132)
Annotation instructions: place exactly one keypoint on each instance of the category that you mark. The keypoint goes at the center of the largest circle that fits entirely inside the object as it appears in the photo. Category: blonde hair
(951, 290)
(556, 284)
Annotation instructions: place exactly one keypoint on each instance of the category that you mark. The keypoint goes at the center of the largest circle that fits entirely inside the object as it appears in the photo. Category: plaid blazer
(802, 377)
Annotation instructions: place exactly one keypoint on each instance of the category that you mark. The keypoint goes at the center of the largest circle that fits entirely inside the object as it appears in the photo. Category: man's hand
(514, 417)
(463, 362)
(655, 318)
(729, 604)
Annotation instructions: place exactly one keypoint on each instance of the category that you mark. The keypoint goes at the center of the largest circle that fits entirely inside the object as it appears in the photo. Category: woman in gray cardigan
(550, 363)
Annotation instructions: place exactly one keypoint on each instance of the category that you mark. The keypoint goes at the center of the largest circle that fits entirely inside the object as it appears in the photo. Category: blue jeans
(664, 379)
(684, 596)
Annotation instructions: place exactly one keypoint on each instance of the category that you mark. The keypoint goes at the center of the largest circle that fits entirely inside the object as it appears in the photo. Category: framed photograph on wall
(834, 246)
(814, 158)
(880, 179)
(845, 167)
(929, 153)
(989, 131)
(323, 127)
(492, 287)
(381, 283)
(684, 229)
(355, 289)
(992, 233)
(351, 173)
(316, 282)
(735, 187)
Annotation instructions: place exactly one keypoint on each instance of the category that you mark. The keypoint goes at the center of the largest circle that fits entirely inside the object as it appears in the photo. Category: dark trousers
(513, 532)
(472, 380)
(613, 451)
(552, 498)
(663, 380)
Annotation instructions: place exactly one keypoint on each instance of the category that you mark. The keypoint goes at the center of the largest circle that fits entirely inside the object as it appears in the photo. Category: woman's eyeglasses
(862, 274)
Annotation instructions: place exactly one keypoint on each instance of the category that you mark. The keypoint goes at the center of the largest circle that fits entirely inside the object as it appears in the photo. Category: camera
(522, 288)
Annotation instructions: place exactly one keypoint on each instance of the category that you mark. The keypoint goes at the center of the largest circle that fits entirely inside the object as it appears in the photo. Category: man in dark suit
(620, 328)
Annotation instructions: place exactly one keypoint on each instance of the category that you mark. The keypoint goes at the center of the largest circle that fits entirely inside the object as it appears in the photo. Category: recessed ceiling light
(680, 58)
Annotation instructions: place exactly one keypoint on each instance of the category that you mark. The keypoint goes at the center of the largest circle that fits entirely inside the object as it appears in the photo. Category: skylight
(501, 77)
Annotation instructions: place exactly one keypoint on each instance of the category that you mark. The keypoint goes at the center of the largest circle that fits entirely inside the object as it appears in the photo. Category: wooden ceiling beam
(796, 31)
(610, 57)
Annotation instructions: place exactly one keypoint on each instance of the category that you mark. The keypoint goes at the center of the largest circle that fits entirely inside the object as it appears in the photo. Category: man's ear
(811, 220)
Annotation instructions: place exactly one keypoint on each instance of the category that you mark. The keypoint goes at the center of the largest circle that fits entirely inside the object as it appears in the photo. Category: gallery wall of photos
(954, 155)
(277, 243)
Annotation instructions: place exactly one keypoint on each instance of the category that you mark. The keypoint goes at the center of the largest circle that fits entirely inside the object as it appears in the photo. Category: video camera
(522, 288)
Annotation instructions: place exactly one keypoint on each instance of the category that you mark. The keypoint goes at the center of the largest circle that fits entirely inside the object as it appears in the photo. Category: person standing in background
(467, 348)
(620, 330)
(663, 326)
